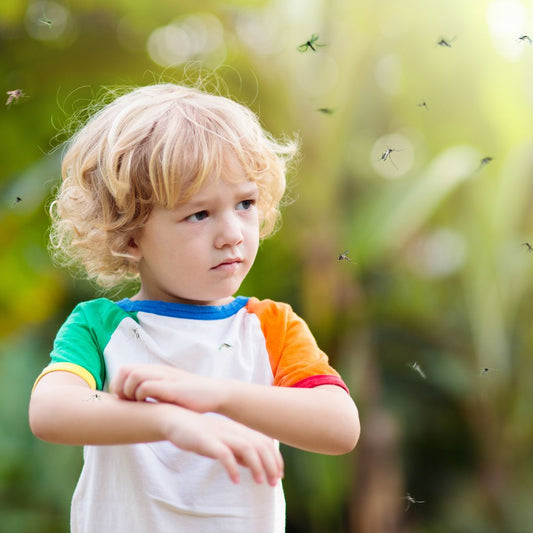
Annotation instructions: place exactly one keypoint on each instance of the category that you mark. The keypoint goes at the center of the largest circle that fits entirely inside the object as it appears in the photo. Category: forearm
(75, 415)
(64, 410)
(323, 419)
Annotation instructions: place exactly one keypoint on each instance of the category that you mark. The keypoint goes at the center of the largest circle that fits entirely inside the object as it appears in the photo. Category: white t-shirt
(157, 487)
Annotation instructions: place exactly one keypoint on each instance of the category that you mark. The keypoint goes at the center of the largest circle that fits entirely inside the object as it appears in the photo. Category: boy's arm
(63, 409)
(323, 419)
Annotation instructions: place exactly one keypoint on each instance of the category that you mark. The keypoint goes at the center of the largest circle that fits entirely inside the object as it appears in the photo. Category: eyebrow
(247, 189)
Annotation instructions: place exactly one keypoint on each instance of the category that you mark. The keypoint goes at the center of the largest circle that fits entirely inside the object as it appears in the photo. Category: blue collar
(179, 310)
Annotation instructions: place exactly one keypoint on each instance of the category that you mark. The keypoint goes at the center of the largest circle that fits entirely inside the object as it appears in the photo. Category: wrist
(230, 396)
(165, 419)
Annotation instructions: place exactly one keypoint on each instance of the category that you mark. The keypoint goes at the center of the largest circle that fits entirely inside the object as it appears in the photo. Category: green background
(439, 279)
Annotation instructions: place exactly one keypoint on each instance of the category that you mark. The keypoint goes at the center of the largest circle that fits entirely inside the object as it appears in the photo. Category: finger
(127, 380)
(130, 384)
(229, 462)
(279, 459)
(248, 456)
(144, 390)
(272, 461)
(152, 388)
(249, 448)
(135, 378)
(117, 383)
(158, 389)
(207, 443)
(210, 447)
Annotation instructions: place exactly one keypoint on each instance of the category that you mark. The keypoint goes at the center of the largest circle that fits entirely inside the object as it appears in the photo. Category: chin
(220, 299)
(209, 299)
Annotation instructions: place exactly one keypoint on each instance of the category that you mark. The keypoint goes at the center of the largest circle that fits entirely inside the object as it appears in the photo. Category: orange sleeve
(295, 358)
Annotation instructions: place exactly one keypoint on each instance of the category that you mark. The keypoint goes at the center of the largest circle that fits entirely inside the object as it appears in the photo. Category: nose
(229, 231)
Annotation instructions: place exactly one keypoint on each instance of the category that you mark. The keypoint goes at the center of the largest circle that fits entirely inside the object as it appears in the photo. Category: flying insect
(417, 368)
(344, 257)
(411, 500)
(14, 96)
(311, 43)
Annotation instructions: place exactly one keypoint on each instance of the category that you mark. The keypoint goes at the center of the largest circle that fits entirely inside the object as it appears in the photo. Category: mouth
(228, 264)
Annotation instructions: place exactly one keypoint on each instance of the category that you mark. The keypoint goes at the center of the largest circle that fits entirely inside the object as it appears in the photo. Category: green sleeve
(81, 340)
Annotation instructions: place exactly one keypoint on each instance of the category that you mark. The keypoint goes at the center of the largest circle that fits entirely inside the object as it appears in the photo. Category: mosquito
(525, 39)
(14, 96)
(311, 43)
(387, 155)
(486, 370)
(411, 500)
(95, 396)
(417, 368)
(17, 200)
(326, 110)
(46, 21)
(224, 346)
(344, 257)
(423, 104)
(528, 246)
(447, 43)
(484, 161)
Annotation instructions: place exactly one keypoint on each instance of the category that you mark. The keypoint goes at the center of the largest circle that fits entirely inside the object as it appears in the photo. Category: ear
(134, 250)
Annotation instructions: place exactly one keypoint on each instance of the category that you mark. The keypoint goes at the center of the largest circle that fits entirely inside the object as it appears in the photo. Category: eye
(245, 205)
(197, 217)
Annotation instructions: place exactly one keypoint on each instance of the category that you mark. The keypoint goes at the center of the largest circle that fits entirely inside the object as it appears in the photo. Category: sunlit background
(404, 245)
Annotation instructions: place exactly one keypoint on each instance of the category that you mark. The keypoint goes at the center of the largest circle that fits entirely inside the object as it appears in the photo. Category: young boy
(182, 385)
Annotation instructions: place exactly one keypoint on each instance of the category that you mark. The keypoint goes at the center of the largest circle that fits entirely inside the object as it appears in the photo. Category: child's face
(200, 251)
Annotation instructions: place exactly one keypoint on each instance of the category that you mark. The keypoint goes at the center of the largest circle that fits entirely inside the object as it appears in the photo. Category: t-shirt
(157, 486)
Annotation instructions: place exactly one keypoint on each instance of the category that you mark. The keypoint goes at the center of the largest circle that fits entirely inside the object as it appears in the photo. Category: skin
(198, 253)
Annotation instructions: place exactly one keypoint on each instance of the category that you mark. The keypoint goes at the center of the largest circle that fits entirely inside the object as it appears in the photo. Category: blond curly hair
(154, 145)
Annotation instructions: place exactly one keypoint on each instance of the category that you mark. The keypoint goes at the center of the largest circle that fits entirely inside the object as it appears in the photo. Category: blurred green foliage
(391, 170)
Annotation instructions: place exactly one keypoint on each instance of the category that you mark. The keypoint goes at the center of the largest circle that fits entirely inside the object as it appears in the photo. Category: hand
(170, 385)
(225, 440)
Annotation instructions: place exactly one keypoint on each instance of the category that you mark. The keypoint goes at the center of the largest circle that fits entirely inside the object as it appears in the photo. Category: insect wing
(314, 39)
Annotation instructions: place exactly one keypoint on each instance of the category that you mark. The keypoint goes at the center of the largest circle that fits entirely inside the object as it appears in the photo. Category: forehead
(214, 193)
(229, 171)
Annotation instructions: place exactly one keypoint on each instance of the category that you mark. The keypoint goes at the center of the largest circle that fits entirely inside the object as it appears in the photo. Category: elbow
(348, 438)
(39, 432)
(36, 426)
(38, 421)
(348, 435)
(353, 439)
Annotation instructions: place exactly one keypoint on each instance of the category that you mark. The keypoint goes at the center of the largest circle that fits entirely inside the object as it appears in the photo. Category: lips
(228, 264)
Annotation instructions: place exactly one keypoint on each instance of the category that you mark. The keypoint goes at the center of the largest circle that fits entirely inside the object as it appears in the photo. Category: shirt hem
(315, 381)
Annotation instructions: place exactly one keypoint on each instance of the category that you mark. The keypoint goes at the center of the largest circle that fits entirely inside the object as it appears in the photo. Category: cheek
(253, 244)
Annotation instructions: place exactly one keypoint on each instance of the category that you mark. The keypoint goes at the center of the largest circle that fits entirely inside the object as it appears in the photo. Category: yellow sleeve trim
(68, 367)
